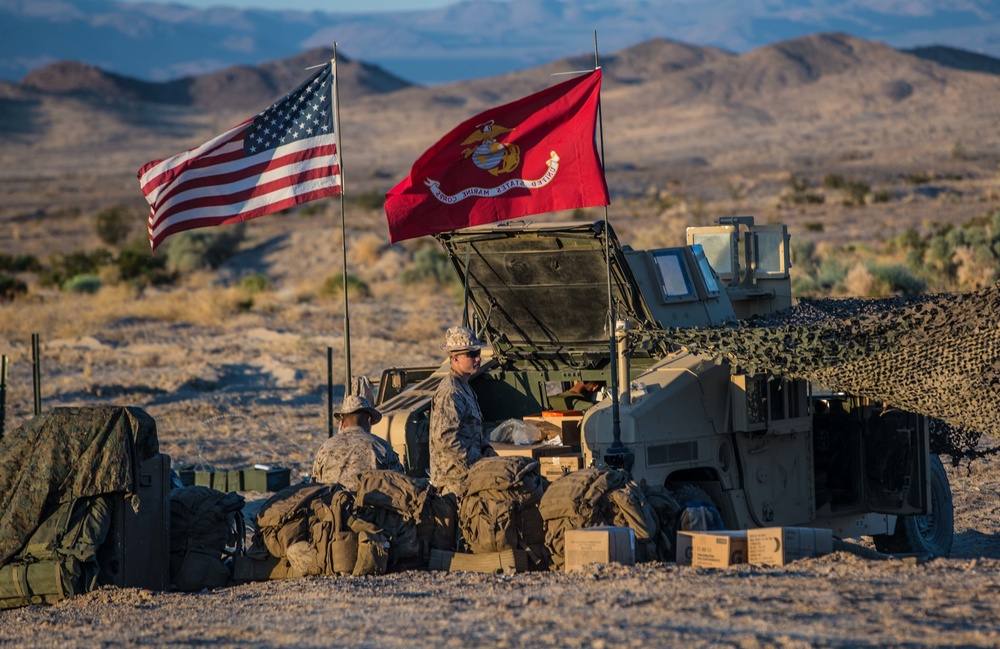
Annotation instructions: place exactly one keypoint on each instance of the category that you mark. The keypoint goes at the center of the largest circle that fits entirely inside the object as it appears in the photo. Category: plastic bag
(516, 431)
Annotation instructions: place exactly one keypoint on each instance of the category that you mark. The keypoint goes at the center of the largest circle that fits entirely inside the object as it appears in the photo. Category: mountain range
(466, 40)
(721, 129)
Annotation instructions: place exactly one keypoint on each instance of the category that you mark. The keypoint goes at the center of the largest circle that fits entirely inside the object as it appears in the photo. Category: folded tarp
(68, 453)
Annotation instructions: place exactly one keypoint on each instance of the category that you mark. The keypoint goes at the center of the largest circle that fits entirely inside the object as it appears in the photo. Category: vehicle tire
(931, 534)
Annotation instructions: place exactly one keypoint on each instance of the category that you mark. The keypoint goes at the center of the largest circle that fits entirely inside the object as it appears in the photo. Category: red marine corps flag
(534, 155)
(285, 156)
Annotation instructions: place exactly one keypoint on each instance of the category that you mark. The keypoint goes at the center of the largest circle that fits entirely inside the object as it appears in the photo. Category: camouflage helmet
(353, 403)
(460, 339)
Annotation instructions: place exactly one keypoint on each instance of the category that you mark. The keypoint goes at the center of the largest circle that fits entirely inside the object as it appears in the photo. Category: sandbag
(206, 529)
(499, 510)
(59, 559)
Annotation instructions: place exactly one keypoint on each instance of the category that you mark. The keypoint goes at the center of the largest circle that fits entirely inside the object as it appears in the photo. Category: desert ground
(232, 381)
(250, 387)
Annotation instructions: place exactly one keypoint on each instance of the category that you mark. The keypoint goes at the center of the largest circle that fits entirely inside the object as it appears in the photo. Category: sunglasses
(475, 353)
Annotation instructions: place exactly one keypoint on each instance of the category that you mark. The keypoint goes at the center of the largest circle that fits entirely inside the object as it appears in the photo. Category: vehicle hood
(540, 291)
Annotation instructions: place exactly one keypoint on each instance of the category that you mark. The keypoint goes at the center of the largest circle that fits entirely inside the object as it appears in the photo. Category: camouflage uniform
(352, 450)
(456, 435)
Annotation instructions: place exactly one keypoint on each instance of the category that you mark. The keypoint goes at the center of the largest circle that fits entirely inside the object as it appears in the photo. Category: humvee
(765, 451)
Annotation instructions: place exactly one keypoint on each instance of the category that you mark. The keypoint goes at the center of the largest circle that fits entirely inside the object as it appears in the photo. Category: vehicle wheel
(930, 534)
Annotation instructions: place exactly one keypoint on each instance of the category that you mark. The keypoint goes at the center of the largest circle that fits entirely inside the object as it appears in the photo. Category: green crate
(220, 481)
(261, 478)
(203, 478)
(235, 480)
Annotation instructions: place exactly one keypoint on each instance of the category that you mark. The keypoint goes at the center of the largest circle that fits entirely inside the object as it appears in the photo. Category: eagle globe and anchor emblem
(487, 152)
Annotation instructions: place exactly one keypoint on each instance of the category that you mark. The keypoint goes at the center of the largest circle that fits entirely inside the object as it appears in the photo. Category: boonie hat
(353, 403)
(460, 339)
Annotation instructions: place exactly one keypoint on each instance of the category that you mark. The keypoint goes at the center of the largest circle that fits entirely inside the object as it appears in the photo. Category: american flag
(285, 156)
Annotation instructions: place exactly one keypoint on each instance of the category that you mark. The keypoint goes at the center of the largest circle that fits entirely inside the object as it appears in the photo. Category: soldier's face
(466, 363)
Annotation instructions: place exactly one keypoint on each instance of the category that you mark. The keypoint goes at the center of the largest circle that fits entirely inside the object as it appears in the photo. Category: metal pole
(329, 391)
(3, 393)
(36, 373)
(343, 225)
(616, 455)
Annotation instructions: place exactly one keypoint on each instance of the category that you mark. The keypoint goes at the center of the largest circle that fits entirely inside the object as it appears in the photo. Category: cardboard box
(715, 549)
(776, 546)
(556, 466)
(567, 427)
(531, 450)
(599, 545)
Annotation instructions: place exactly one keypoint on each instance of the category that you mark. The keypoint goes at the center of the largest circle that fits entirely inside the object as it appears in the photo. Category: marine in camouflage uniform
(353, 449)
(457, 440)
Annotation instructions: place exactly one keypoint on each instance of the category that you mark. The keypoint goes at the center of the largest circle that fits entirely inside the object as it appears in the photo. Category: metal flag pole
(343, 226)
(616, 456)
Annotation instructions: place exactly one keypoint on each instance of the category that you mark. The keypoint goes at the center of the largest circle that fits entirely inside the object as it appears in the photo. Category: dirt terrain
(231, 385)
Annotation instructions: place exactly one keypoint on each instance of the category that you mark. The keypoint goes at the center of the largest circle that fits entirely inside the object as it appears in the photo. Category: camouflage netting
(937, 355)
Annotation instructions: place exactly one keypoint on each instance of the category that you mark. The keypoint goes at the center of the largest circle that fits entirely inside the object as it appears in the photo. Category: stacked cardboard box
(556, 466)
(567, 427)
(531, 450)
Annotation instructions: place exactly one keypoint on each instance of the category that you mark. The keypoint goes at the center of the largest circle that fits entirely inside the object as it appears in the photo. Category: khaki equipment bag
(60, 557)
(309, 525)
(499, 510)
(391, 511)
(594, 497)
(206, 530)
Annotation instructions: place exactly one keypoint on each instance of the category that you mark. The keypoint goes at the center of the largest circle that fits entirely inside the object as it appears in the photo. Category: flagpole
(616, 456)
(343, 226)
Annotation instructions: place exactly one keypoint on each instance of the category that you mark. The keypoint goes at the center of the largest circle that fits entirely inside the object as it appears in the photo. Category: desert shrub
(83, 283)
(19, 263)
(66, 266)
(897, 279)
(814, 226)
(830, 273)
(255, 283)
(857, 191)
(204, 248)
(11, 287)
(138, 267)
(370, 199)
(919, 178)
(429, 265)
(112, 225)
(881, 196)
(804, 255)
(798, 192)
(833, 181)
(333, 287)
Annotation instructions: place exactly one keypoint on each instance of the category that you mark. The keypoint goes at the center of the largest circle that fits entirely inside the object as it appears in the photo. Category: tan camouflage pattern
(354, 403)
(342, 458)
(458, 339)
(68, 453)
(457, 440)
(936, 355)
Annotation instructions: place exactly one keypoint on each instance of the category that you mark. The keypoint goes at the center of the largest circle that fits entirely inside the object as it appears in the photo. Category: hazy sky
(332, 6)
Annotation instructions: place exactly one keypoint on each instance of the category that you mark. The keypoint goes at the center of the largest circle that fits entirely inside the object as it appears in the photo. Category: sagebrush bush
(429, 265)
(204, 248)
(113, 225)
(333, 287)
(84, 283)
(255, 283)
(11, 287)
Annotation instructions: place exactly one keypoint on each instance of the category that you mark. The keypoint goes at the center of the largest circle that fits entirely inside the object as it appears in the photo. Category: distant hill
(671, 112)
(463, 41)
(235, 88)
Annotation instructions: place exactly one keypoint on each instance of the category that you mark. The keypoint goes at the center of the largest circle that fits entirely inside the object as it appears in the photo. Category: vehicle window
(706, 269)
(673, 274)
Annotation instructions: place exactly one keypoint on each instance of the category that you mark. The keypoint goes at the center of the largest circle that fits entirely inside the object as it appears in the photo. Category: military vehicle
(764, 451)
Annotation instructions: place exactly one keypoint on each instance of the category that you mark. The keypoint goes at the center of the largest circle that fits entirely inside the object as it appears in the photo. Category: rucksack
(59, 560)
(594, 497)
(206, 529)
(389, 507)
(499, 510)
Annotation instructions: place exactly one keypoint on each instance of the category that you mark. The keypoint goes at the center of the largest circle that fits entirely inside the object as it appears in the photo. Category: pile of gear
(393, 522)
